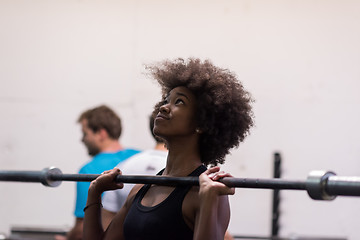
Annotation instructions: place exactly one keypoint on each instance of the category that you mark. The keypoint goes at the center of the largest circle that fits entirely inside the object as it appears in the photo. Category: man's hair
(103, 117)
(224, 113)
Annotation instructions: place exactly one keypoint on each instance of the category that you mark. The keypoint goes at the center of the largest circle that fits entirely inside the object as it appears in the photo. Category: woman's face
(176, 116)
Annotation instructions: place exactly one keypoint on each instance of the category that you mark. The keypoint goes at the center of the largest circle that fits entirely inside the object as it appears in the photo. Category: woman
(204, 113)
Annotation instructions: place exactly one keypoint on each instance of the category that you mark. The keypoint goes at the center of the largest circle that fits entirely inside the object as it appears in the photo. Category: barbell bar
(320, 185)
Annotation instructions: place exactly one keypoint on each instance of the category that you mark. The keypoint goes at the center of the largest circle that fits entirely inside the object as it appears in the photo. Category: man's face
(90, 139)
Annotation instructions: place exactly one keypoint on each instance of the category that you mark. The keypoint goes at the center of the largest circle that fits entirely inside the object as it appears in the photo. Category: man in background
(101, 129)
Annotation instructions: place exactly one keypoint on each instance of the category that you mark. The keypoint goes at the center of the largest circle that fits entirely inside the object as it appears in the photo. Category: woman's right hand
(106, 181)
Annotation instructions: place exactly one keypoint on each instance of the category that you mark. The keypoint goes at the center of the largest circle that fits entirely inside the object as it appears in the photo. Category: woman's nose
(164, 108)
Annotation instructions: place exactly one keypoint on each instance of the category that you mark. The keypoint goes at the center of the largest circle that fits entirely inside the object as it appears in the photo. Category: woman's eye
(179, 101)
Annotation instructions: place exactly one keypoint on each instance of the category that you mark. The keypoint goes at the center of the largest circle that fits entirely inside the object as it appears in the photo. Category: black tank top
(163, 221)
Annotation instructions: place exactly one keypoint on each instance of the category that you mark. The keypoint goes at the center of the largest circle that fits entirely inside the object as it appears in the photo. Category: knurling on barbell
(320, 185)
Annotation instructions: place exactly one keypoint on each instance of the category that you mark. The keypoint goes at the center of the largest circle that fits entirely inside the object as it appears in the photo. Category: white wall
(300, 60)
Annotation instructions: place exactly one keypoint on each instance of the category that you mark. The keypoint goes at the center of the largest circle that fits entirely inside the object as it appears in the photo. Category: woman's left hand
(209, 184)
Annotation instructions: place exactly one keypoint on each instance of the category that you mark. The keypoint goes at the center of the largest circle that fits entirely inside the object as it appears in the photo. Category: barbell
(320, 185)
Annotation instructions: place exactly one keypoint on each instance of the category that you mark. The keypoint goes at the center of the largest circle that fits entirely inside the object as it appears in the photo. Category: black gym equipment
(275, 213)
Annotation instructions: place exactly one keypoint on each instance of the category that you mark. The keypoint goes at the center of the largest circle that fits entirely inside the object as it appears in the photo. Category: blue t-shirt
(100, 163)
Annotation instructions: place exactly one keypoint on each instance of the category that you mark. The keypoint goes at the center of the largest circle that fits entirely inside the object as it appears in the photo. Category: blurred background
(299, 59)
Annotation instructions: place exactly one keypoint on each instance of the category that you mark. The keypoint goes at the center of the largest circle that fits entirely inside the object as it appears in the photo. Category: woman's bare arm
(213, 215)
(92, 220)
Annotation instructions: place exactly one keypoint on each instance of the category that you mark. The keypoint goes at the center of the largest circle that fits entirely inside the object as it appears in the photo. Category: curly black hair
(224, 107)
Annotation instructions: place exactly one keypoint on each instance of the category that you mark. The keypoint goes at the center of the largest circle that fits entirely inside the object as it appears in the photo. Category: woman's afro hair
(224, 112)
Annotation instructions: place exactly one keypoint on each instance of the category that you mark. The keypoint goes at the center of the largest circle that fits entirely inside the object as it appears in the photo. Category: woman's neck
(182, 159)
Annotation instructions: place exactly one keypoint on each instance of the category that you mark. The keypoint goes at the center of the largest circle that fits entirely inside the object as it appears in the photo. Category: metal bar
(21, 176)
(319, 185)
(160, 180)
(264, 183)
(171, 181)
(39, 176)
(24, 176)
(343, 186)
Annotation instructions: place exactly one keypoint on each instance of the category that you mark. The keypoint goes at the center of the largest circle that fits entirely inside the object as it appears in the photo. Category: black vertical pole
(276, 197)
